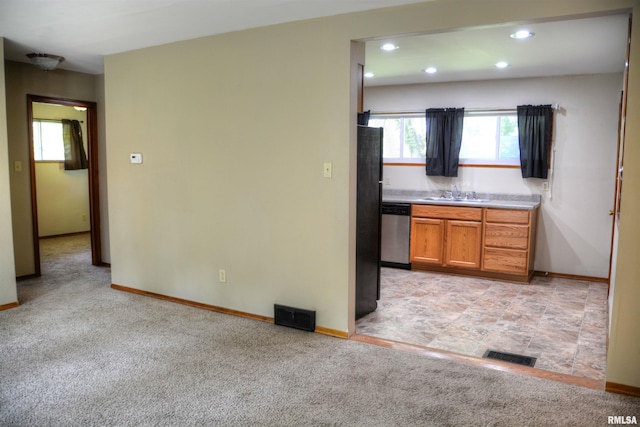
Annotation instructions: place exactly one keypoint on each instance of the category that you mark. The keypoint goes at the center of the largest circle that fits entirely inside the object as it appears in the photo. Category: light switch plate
(328, 170)
(136, 158)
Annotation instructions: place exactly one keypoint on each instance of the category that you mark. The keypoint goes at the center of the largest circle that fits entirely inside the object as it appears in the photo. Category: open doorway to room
(64, 195)
(560, 319)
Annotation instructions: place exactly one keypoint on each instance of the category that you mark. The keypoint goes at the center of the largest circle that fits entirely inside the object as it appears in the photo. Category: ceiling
(581, 46)
(84, 31)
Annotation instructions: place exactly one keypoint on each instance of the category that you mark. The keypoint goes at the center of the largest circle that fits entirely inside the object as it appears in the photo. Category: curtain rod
(470, 110)
(55, 120)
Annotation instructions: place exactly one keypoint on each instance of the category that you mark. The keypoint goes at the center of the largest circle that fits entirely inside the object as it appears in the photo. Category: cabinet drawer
(446, 212)
(505, 260)
(510, 236)
(507, 216)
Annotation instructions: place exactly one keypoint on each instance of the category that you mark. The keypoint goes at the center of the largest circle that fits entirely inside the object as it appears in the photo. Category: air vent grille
(294, 317)
(510, 357)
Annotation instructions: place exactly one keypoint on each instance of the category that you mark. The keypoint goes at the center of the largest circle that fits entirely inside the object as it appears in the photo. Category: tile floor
(562, 322)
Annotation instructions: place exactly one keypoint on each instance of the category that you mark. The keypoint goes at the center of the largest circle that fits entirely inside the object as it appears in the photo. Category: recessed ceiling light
(522, 34)
(431, 70)
(388, 47)
(369, 75)
(502, 64)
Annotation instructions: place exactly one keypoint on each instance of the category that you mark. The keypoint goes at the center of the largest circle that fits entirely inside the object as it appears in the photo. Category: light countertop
(494, 200)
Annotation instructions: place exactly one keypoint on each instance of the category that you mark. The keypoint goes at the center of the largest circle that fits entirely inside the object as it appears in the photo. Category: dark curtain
(74, 155)
(363, 118)
(534, 134)
(444, 137)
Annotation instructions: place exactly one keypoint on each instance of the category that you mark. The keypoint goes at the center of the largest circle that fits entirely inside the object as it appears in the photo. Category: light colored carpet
(78, 353)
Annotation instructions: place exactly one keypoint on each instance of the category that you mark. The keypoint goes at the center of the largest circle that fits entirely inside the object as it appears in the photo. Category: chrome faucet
(454, 191)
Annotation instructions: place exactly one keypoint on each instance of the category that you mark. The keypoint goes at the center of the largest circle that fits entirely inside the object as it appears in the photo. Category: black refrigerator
(369, 200)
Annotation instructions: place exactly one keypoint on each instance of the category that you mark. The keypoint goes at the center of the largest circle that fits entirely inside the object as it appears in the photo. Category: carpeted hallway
(78, 353)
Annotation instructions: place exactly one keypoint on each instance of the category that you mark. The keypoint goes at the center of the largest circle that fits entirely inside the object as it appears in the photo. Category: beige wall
(22, 79)
(63, 200)
(8, 293)
(234, 132)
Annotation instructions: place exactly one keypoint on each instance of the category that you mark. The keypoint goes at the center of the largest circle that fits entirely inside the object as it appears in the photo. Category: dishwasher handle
(403, 209)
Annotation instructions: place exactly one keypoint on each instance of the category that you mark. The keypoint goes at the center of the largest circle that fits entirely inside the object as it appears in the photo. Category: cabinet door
(427, 236)
(463, 244)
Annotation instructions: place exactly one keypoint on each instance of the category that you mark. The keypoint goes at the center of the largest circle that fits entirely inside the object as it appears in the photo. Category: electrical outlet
(545, 186)
(17, 165)
(222, 276)
(387, 181)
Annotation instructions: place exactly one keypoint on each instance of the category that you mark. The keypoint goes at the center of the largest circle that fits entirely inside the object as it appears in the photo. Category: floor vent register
(294, 317)
(518, 359)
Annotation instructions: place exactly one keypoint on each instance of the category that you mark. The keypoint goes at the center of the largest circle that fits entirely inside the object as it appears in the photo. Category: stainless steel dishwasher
(396, 226)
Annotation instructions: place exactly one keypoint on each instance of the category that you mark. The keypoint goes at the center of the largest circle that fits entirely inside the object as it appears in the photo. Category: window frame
(411, 161)
(495, 162)
(422, 162)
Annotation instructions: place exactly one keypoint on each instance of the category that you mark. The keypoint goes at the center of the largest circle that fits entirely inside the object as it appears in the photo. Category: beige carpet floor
(78, 353)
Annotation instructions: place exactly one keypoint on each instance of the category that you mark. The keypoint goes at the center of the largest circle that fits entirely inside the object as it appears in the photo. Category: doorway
(92, 173)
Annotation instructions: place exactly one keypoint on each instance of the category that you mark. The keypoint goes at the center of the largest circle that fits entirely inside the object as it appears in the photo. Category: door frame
(94, 192)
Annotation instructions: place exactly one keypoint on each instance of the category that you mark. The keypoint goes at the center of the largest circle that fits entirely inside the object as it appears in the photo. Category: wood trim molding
(192, 303)
(331, 332)
(485, 363)
(10, 305)
(572, 276)
(65, 235)
(94, 187)
(622, 389)
(319, 329)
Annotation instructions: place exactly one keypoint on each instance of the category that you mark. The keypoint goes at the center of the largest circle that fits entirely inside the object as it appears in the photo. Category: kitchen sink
(462, 200)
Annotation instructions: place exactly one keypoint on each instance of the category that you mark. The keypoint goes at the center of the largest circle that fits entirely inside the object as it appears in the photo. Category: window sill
(462, 165)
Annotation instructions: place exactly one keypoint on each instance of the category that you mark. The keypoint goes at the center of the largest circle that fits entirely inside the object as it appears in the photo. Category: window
(403, 137)
(490, 138)
(47, 140)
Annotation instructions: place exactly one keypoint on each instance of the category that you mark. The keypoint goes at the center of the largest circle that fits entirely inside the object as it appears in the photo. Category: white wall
(8, 294)
(574, 235)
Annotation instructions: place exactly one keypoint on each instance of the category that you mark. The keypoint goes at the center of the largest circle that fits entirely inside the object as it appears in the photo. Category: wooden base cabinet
(509, 241)
(446, 236)
(487, 242)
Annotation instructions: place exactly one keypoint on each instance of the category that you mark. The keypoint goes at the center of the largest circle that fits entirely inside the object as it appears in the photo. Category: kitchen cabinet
(446, 236)
(481, 241)
(509, 241)
(427, 240)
